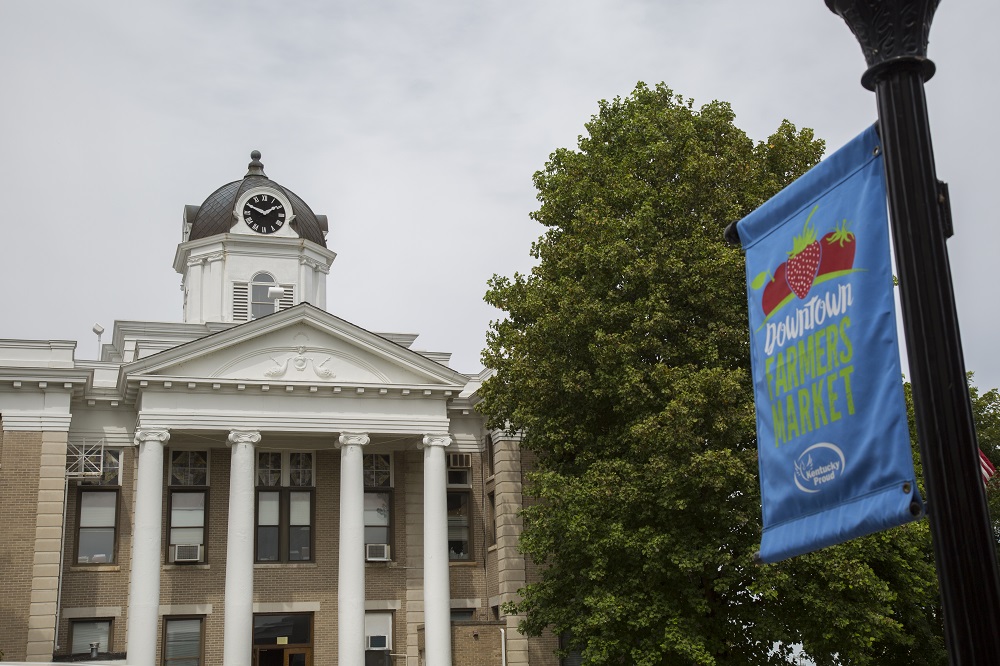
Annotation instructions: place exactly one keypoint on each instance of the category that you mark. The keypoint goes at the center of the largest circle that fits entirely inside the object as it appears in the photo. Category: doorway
(282, 639)
(297, 656)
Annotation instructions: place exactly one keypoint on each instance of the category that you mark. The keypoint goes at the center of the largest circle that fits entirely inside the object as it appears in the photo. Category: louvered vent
(241, 301)
(288, 300)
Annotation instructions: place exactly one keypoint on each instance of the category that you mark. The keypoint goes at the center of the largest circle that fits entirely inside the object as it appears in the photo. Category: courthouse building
(261, 483)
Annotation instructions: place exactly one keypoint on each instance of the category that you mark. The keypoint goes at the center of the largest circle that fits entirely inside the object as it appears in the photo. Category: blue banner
(832, 436)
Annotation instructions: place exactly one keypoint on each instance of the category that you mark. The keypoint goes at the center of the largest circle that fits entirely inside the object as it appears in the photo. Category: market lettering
(826, 400)
(825, 351)
(806, 318)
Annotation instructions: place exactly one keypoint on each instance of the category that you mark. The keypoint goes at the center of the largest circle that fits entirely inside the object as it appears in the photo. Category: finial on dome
(256, 167)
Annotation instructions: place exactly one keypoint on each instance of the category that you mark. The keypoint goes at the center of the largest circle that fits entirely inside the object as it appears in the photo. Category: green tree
(624, 360)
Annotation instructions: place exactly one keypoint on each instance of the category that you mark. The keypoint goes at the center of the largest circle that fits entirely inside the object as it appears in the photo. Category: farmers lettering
(809, 357)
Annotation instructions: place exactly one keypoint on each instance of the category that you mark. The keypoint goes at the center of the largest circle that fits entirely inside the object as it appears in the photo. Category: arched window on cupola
(251, 301)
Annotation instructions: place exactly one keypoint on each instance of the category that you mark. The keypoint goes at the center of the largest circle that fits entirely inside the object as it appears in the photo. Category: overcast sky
(415, 127)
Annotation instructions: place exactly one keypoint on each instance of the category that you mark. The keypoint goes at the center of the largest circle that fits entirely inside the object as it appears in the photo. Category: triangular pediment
(301, 344)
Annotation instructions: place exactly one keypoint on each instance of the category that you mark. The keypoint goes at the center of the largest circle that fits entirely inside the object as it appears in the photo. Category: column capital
(352, 439)
(243, 437)
(160, 435)
(442, 440)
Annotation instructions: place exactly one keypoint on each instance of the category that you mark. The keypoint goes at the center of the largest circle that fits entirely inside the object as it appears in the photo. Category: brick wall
(100, 586)
(311, 585)
(18, 506)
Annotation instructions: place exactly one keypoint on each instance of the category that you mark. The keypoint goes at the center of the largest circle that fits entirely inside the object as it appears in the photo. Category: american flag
(986, 468)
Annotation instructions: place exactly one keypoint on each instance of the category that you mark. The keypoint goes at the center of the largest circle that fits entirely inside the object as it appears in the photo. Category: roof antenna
(98, 329)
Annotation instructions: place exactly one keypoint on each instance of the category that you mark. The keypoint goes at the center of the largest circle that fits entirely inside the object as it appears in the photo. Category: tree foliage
(624, 361)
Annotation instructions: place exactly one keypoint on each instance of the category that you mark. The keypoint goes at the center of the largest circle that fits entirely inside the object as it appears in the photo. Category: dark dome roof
(215, 215)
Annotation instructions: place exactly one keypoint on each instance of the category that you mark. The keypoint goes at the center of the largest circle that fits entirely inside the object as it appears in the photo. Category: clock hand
(270, 210)
(262, 212)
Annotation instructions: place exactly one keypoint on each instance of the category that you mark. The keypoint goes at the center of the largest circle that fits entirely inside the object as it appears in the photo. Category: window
(458, 525)
(186, 543)
(97, 506)
(260, 304)
(250, 299)
(85, 632)
(491, 535)
(459, 504)
(378, 632)
(462, 615)
(378, 498)
(490, 453)
(285, 506)
(183, 641)
(286, 630)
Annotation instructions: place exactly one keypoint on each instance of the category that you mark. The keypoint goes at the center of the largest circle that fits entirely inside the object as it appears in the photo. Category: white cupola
(252, 247)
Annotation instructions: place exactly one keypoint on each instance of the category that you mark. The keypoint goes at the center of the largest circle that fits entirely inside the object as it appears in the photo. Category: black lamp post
(893, 35)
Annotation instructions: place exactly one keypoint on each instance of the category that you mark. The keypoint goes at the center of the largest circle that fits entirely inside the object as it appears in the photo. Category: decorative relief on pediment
(299, 365)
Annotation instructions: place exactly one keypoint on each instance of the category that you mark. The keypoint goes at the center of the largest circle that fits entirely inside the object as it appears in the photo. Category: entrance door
(297, 656)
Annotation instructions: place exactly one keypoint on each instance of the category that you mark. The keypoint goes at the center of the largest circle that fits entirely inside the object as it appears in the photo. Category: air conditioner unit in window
(377, 642)
(377, 552)
(187, 552)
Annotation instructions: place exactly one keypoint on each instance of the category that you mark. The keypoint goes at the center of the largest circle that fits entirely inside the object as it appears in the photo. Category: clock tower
(251, 248)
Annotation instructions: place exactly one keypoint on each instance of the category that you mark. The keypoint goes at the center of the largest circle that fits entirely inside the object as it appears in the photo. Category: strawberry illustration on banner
(809, 262)
(803, 260)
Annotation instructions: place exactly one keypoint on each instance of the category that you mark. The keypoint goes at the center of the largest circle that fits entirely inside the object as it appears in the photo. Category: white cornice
(252, 245)
(319, 422)
(35, 421)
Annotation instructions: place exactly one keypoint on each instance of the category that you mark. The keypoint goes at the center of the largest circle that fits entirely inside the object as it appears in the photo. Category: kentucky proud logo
(818, 466)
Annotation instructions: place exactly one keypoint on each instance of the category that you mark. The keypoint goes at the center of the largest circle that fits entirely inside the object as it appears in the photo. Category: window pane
(267, 544)
(458, 526)
(376, 535)
(299, 513)
(267, 508)
(183, 641)
(462, 615)
(85, 633)
(97, 545)
(301, 469)
(187, 509)
(377, 470)
(189, 468)
(376, 508)
(187, 535)
(259, 292)
(97, 509)
(296, 628)
(268, 468)
(298, 543)
(112, 466)
(458, 477)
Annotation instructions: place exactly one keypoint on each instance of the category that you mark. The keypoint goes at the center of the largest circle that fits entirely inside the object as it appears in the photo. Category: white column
(351, 556)
(320, 275)
(237, 641)
(144, 586)
(437, 591)
(193, 285)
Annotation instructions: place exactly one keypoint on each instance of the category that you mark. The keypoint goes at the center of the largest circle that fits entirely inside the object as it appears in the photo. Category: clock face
(264, 213)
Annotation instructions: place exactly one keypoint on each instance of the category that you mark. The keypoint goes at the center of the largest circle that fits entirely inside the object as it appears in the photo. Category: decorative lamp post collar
(892, 33)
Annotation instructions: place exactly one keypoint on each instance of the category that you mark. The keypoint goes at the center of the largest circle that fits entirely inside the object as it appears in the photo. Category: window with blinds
(250, 299)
